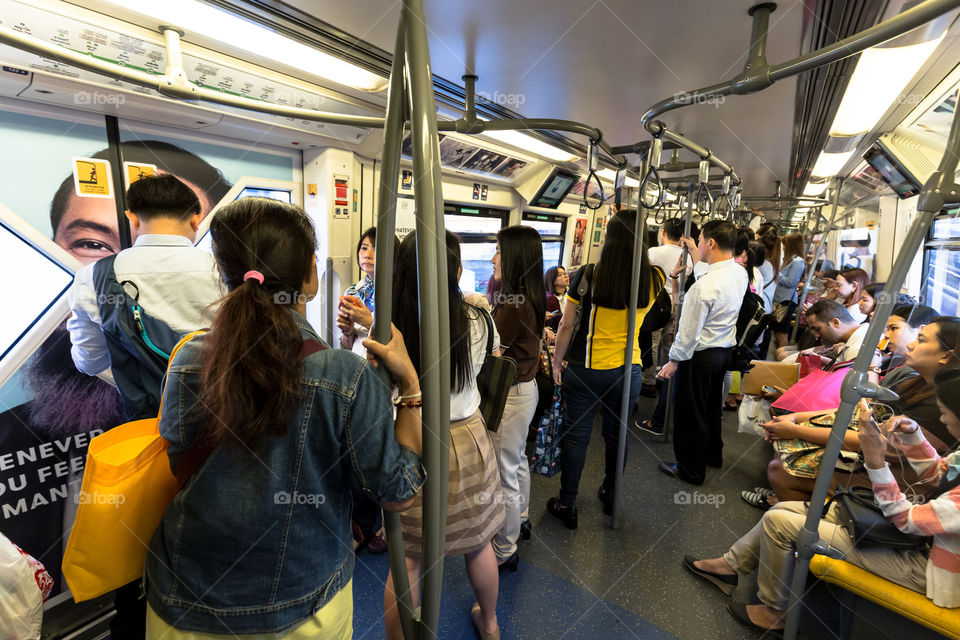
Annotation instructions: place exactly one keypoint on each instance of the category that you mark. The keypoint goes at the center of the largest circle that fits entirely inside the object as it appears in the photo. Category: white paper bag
(24, 584)
(753, 411)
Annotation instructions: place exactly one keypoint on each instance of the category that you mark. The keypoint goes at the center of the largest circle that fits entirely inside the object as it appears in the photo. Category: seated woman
(868, 299)
(769, 547)
(258, 540)
(556, 282)
(850, 284)
(932, 350)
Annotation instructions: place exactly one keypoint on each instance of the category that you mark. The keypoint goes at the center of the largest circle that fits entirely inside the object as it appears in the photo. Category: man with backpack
(701, 354)
(130, 309)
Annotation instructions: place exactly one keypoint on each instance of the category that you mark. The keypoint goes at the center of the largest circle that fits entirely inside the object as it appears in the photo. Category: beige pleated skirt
(474, 500)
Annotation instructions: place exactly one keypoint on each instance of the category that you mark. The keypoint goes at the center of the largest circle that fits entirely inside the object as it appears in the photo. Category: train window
(477, 228)
(552, 229)
(941, 288)
(27, 298)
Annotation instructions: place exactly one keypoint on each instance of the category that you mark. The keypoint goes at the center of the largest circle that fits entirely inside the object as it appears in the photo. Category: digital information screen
(29, 295)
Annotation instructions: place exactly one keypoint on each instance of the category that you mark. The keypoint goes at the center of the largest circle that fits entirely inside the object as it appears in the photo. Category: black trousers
(696, 429)
(130, 622)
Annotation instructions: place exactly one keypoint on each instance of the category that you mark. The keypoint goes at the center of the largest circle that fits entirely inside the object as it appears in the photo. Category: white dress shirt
(178, 285)
(710, 310)
(666, 257)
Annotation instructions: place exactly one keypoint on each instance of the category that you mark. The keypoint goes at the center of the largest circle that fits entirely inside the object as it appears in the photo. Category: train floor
(597, 582)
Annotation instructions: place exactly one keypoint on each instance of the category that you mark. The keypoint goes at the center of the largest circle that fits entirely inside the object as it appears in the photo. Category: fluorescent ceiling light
(531, 145)
(611, 175)
(829, 164)
(813, 189)
(669, 196)
(880, 77)
(205, 20)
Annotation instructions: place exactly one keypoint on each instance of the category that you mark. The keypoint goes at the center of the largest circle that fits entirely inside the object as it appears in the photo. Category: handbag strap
(489, 321)
(582, 289)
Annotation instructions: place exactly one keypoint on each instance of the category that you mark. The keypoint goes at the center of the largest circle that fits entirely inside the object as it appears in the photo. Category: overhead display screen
(895, 175)
(32, 284)
(555, 189)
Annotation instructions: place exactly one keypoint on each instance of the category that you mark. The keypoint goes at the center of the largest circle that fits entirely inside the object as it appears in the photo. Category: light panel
(531, 145)
(829, 164)
(814, 189)
(611, 175)
(210, 22)
(879, 79)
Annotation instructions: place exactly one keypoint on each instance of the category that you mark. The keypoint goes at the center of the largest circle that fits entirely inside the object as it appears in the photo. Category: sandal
(475, 617)
(755, 499)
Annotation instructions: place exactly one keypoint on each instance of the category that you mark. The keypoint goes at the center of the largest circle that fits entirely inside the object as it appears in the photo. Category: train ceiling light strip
(213, 23)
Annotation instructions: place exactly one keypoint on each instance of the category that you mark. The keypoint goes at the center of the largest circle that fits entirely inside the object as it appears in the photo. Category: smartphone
(354, 300)
(770, 391)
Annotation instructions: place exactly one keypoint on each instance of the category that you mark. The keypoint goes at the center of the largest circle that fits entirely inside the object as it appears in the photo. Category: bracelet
(407, 404)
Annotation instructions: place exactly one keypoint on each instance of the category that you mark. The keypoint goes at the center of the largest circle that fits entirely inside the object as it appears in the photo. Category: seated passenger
(842, 334)
(868, 299)
(475, 510)
(770, 546)
(932, 350)
(259, 541)
(850, 283)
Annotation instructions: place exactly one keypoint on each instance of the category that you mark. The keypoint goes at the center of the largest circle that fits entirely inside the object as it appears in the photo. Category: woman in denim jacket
(259, 538)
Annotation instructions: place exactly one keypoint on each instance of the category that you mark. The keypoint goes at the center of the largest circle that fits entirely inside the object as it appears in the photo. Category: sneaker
(649, 427)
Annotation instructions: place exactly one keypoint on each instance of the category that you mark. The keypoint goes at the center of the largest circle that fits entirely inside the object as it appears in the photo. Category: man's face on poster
(88, 229)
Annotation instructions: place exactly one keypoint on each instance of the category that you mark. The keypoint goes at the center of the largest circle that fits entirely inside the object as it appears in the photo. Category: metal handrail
(816, 255)
(661, 196)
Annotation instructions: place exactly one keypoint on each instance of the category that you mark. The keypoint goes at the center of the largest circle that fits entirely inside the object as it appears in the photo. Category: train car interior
(834, 121)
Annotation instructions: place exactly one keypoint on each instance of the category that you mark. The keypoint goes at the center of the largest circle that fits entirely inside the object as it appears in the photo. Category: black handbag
(494, 380)
(659, 314)
(863, 519)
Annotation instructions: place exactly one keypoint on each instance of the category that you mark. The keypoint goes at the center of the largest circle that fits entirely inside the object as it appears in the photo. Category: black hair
(162, 196)
(372, 234)
(722, 232)
(756, 254)
(250, 374)
(947, 387)
(915, 315)
(521, 269)
(695, 231)
(549, 276)
(874, 288)
(948, 333)
(830, 274)
(611, 281)
(827, 310)
(406, 309)
(167, 157)
(743, 239)
(673, 228)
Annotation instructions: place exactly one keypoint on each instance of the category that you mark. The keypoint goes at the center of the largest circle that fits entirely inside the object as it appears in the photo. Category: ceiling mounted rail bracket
(174, 82)
(470, 123)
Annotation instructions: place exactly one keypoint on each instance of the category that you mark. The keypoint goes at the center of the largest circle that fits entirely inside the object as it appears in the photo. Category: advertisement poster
(49, 411)
(579, 233)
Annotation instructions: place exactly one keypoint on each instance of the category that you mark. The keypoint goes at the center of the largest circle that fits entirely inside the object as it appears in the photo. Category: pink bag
(817, 391)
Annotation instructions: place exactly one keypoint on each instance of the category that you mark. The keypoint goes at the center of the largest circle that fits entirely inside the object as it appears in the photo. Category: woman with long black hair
(593, 378)
(258, 541)
(474, 503)
(519, 311)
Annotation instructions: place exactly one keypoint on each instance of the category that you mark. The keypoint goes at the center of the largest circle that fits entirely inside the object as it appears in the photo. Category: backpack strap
(582, 288)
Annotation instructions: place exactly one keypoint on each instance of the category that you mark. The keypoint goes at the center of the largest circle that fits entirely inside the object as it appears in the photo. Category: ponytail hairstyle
(406, 309)
(521, 271)
(250, 380)
(611, 282)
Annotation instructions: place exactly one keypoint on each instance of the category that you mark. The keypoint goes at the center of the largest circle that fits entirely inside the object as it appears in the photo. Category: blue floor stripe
(533, 604)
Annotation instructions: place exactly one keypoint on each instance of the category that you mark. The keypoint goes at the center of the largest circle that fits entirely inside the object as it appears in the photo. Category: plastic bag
(25, 584)
(753, 411)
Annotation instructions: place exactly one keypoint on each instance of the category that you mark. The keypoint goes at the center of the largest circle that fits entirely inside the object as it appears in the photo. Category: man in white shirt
(129, 309)
(833, 324)
(701, 352)
(666, 256)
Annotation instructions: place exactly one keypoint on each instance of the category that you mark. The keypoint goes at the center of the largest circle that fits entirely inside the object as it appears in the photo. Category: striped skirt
(474, 501)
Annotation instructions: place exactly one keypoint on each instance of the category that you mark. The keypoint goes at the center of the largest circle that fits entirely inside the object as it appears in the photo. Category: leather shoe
(606, 497)
(739, 611)
(725, 583)
(567, 514)
(673, 470)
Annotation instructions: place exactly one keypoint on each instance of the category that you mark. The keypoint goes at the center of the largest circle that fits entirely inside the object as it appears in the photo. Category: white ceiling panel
(605, 62)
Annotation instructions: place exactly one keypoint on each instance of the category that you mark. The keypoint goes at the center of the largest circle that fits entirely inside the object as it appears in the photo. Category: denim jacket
(259, 538)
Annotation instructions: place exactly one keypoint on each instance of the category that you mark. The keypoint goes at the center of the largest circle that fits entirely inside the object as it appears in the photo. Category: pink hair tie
(256, 275)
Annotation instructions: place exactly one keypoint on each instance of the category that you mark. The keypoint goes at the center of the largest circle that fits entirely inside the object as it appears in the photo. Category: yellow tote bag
(127, 486)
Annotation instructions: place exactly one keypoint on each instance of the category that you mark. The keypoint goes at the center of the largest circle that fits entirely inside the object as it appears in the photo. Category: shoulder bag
(494, 380)
(863, 519)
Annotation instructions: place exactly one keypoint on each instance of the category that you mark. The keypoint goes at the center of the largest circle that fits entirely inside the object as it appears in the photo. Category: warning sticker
(133, 171)
(92, 179)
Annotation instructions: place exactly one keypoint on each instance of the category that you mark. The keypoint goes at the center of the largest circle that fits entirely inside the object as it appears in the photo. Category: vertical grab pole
(383, 295)
(684, 254)
(939, 190)
(434, 317)
(816, 255)
(330, 306)
(626, 407)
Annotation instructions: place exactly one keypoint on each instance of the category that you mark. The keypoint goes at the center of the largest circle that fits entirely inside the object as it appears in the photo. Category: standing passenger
(173, 288)
(788, 277)
(701, 353)
(474, 500)
(258, 540)
(594, 375)
(519, 314)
